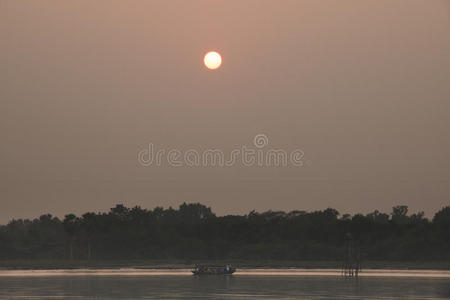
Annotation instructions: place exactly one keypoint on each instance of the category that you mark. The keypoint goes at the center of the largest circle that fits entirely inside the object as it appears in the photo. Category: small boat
(211, 270)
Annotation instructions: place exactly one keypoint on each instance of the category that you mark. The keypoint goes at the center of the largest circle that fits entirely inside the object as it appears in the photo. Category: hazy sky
(362, 87)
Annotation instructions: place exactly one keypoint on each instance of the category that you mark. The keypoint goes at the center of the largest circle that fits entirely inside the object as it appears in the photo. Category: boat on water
(213, 270)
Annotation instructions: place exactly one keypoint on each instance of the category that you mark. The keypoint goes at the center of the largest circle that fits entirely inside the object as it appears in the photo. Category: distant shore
(243, 264)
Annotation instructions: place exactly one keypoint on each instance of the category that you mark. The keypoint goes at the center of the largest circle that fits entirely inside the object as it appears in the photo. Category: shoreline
(241, 264)
(130, 272)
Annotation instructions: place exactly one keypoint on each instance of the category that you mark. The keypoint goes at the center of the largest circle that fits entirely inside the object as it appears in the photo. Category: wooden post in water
(352, 261)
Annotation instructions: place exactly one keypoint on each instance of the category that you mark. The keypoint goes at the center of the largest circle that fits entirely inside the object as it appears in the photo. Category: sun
(212, 60)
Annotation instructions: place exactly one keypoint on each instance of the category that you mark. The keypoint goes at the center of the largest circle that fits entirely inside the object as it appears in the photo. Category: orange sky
(362, 87)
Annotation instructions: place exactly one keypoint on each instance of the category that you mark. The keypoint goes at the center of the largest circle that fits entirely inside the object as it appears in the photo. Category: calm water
(248, 284)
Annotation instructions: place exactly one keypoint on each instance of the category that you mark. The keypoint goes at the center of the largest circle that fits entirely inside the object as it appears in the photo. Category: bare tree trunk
(89, 249)
(71, 248)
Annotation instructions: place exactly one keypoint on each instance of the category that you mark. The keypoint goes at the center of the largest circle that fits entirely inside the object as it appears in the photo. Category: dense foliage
(195, 232)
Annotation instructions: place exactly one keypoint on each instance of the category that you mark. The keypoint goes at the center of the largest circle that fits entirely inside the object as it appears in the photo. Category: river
(244, 284)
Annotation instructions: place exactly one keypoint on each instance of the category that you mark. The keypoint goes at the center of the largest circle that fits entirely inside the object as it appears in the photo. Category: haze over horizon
(362, 87)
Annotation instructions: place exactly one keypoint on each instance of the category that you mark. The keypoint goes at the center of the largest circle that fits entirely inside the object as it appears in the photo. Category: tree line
(193, 231)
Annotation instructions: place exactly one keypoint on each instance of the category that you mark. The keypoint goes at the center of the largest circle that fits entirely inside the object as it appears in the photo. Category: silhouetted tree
(193, 231)
(89, 225)
(71, 226)
(442, 217)
(399, 214)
